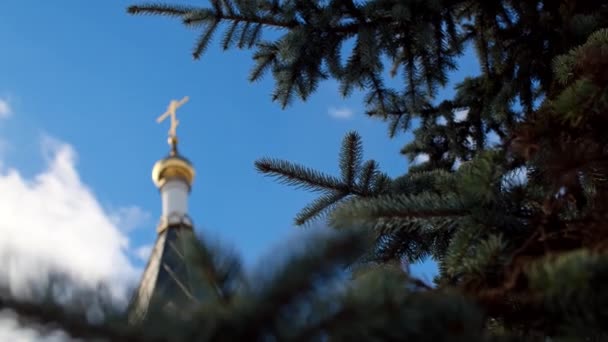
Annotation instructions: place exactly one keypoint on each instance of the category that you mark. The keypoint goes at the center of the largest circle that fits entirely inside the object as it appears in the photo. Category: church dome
(171, 167)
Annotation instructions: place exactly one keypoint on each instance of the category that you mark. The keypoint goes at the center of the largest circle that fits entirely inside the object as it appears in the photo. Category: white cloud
(5, 109)
(143, 252)
(340, 113)
(130, 217)
(54, 222)
(421, 158)
(461, 115)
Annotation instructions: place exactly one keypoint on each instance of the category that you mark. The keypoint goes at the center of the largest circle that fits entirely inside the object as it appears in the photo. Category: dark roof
(167, 281)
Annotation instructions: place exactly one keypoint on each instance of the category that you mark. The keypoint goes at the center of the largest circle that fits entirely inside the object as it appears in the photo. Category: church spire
(166, 284)
(173, 175)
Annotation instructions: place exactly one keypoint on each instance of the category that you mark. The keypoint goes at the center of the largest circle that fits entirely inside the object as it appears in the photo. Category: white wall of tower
(174, 195)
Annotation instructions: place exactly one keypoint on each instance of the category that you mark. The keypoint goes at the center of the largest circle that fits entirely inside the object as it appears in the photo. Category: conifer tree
(512, 200)
(301, 299)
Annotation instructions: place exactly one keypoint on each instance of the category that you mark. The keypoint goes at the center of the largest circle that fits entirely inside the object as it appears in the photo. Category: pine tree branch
(217, 274)
(452, 215)
(356, 180)
(265, 21)
(460, 247)
(397, 207)
(341, 317)
(350, 157)
(197, 14)
(203, 42)
(299, 276)
(299, 176)
(319, 207)
(160, 9)
(75, 325)
(369, 171)
(266, 57)
(228, 39)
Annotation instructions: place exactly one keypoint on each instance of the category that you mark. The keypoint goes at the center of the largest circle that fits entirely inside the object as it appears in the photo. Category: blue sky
(93, 77)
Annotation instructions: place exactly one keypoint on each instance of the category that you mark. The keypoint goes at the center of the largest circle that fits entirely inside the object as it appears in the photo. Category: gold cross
(171, 112)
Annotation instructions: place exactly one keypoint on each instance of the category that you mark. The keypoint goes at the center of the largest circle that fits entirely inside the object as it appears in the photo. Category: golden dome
(173, 166)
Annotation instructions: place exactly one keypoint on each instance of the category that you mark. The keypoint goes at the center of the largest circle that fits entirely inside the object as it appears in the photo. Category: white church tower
(166, 285)
(173, 176)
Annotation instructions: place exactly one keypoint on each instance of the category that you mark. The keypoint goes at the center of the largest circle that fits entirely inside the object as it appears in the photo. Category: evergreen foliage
(512, 202)
(514, 193)
(357, 179)
(301, 299)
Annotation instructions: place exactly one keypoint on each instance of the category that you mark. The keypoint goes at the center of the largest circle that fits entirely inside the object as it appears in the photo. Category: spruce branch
(381, 184)
(219, 268)
(460, 247)
(319, 207)
(204, 39)
(75, 325)
(350, 157)
(489, 257)
(572, 289)
(356, 180)
(243, 40)
(297, 277)
(229, 35)
(393, 125)
(266, 58)
(328, 26)
(369, 171)
(365, 211)
(160, 9)
(389, 289)
(219, 15)
(299, 176)
(436, 181)
(549, 119)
